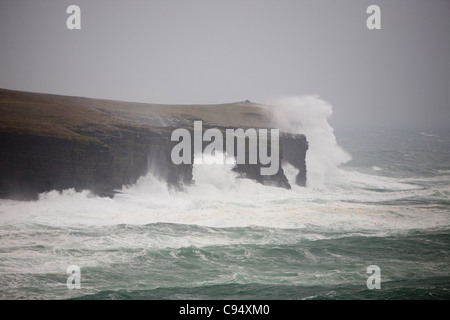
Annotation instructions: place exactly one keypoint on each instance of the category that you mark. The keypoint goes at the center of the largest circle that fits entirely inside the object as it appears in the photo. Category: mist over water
(227, 237)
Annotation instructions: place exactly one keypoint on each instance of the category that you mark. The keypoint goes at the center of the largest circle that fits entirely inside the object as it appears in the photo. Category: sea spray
(214, 175)
(309, 115)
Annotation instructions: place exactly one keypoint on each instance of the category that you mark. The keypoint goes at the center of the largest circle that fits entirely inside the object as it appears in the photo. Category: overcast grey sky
(191, 51)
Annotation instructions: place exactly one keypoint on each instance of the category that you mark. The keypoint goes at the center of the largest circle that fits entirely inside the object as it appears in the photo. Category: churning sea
(232, 238)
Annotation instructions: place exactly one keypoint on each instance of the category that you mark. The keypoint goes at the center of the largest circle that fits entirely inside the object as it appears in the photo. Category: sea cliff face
(50, 142)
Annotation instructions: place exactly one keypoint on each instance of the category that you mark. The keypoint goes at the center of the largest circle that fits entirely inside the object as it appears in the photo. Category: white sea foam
(220, 199)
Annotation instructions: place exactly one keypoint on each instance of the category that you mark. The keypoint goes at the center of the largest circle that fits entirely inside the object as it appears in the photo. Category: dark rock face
(101, 154)
(253, 172)
(294, 152)
(32, 164)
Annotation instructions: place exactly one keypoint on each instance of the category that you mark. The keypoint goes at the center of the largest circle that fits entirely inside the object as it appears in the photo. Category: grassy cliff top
(64, 116)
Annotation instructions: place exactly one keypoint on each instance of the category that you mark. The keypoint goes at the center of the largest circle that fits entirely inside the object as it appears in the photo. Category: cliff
(57, 142)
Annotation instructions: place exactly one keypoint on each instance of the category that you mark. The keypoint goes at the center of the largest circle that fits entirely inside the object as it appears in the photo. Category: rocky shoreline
(51, 142)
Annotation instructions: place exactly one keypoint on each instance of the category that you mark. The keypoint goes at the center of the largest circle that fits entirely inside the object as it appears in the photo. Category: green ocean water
(229, 238)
